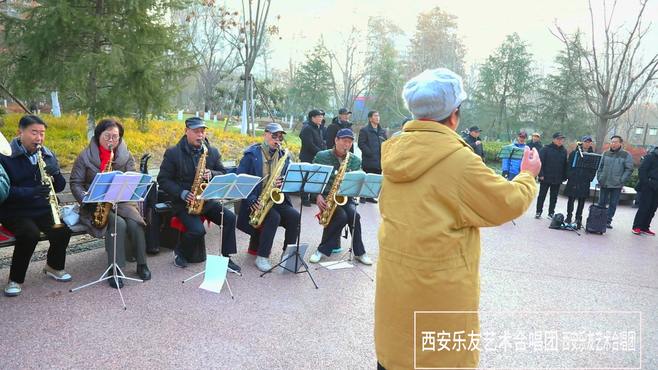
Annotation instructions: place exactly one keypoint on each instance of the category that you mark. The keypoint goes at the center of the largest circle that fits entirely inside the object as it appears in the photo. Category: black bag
(557, 222)
(597, 219)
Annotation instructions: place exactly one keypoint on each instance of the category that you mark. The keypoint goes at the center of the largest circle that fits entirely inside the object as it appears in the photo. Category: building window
(653, 131)
(639, 131)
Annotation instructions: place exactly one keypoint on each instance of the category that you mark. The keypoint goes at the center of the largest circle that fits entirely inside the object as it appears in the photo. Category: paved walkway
(281, 321)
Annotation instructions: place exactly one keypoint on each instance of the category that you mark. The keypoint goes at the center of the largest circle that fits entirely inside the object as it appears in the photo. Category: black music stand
(356, 184)
(116, 187)
(302, 178)
(230, 187)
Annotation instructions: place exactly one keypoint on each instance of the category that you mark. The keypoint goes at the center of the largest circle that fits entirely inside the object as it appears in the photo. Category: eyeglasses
(277, 135)
(110, 137)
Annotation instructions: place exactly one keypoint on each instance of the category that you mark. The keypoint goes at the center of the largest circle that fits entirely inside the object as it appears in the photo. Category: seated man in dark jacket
(371, 138)
(578, 181)
(176, 177)
(260, 160)
(27, 209)
(553, 172)
(312, 138)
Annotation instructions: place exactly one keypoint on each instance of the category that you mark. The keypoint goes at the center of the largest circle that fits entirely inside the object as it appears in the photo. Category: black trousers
(579, 210)
(279, 215)
(647, 209)
(543, 189)
(26, 231)
(344, 215)
(196, 231)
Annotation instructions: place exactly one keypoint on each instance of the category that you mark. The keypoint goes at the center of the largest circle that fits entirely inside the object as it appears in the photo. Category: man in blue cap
(578, 179)
(260, 160)
(345, 214)
(176, 177)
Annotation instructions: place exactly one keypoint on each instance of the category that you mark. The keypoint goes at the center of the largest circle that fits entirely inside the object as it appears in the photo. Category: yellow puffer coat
(436, 194)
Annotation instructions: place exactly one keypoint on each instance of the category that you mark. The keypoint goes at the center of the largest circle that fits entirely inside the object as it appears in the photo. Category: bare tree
(207, 27)
(249, 41)
(611, 74)
(351, 71)
(636, 117)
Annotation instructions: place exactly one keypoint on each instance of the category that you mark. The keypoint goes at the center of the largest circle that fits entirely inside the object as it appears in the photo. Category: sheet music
(230, 186)
(318, 174)
(360, 184)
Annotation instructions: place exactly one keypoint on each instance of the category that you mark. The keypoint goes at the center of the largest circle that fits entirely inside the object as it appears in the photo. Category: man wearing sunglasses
(261, 160)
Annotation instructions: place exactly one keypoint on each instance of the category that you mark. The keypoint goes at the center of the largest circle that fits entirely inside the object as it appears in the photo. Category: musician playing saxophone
(27, 209)
(107, 151)
(344, 214)
(262, 160)
(176, 177)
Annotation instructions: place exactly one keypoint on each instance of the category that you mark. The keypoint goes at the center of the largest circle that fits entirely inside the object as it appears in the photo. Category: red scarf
(105, 156)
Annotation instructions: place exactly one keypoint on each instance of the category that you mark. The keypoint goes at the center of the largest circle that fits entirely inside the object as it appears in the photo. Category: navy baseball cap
(194, 122)
(345, 132)
(344, 111)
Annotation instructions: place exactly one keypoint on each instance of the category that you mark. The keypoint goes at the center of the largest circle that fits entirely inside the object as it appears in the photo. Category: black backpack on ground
(557, 222)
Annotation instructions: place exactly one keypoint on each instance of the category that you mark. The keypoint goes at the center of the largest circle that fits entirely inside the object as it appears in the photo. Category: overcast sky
(482, 24)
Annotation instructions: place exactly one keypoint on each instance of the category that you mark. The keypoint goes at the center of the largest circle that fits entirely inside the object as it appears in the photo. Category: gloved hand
(51, 170)
(41, 191)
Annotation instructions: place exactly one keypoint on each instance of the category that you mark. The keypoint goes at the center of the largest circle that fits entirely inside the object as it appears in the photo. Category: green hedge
(491, 150)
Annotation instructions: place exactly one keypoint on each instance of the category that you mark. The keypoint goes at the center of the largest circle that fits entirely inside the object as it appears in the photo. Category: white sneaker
(316, 257)
(263, 264)
(12, 289)
(364, 258)
(59, 275)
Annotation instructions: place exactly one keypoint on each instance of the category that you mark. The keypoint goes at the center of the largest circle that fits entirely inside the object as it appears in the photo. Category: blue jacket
(24, 177)
(252, 164)
(512, 167)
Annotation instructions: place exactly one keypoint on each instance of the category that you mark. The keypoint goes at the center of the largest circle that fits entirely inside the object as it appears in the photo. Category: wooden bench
(65, 197)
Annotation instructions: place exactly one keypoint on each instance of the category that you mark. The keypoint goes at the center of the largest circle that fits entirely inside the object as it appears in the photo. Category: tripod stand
(306, 175)
(347, 257)
(113, 266)
(221, 243)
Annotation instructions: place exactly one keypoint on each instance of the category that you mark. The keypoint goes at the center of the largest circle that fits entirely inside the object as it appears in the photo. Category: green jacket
(615, 169)
(328, 158)
(4, 184)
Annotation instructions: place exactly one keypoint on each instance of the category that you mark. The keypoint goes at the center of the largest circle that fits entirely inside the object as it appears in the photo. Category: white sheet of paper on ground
(333, 265)
(213, 279)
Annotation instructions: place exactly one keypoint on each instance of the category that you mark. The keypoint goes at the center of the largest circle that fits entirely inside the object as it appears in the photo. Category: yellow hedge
(66, 136)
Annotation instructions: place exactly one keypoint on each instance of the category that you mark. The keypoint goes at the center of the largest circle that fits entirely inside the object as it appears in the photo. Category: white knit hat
(434, 94)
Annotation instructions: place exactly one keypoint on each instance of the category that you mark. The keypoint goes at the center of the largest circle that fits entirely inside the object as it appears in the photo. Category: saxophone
(270, 194)
(195, 207)
(333, 199)
(52, 197)
(102, 211)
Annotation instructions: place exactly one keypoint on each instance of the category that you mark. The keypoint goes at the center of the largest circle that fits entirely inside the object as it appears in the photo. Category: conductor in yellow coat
(435, 196)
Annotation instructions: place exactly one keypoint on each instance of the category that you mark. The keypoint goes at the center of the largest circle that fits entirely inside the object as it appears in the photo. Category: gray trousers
(133, 245)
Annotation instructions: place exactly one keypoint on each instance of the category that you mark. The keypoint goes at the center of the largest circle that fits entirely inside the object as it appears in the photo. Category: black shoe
(568, 219)
(609, 225)
(550, 215)
(579, 223)
(538, 215)
(372, 200)
(113, 283)
(362, 201)
(233, 266)
(153, 250)
(179, 261)
(143, 272)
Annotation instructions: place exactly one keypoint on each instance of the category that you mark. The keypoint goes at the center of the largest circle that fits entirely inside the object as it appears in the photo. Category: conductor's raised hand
(531, 161)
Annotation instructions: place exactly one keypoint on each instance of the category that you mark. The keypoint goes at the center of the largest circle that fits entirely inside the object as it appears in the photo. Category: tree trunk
(601, 133)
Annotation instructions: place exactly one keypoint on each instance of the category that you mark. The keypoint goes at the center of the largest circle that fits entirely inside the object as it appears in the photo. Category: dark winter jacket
(553, 164)
(252, 164)
(85, 168)
(179, 167)
(312, 141)
(24, 178)
(332, 130)
(538, 145)
(648, 172)
(615, 169)
(579, 178)
(477, 148)
(370, 143)
(4, 184)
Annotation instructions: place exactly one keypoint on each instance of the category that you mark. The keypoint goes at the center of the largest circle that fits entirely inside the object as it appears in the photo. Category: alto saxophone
(270, 194)
(195, 207)
(333, 199)
(102, 212)
(52, 197)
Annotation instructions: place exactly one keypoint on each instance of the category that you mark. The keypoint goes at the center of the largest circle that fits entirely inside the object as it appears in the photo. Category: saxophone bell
(341, 200)
(277, 196)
